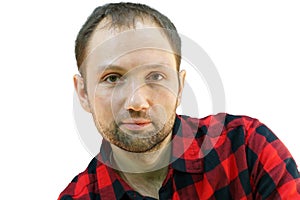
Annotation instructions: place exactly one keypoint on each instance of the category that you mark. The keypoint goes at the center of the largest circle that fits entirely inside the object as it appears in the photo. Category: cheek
(107, 106)
(166, 96)
(102, 108)
(167, 100)
(166, 93)
(99, 98)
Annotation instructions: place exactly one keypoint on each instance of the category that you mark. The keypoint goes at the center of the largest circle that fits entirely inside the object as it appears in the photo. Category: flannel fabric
(218, 157)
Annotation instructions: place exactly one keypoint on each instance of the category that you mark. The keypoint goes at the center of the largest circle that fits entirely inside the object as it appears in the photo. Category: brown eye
(112, 78)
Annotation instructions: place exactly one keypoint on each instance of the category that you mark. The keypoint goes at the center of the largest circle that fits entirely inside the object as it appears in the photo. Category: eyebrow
(111, 67)
(120, 68)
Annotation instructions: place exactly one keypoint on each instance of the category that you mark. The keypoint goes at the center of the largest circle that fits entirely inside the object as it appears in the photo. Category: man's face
(133, 87)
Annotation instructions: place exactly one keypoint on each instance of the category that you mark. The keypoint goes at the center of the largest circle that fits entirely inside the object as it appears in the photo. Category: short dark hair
(124, 14)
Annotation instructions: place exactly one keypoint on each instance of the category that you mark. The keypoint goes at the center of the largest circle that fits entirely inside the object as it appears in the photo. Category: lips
(135, 124)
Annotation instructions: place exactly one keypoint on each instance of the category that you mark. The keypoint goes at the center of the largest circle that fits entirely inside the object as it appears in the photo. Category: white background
(255, 46)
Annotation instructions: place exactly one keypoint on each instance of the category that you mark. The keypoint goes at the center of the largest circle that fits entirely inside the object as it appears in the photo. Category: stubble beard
(137, 142)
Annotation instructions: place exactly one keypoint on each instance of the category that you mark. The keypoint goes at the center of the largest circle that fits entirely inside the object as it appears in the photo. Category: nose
(137, 99)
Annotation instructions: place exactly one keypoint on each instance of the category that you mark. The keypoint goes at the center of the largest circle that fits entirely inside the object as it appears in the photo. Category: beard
(137, 141)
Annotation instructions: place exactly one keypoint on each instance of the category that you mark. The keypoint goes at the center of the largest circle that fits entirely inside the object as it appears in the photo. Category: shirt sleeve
(273, 171)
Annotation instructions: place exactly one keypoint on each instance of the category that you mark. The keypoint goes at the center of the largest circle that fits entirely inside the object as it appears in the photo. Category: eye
(112, 78)
(155, 76)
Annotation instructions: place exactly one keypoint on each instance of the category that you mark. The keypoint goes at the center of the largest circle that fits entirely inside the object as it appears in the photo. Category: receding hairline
(123, 15)
(106, 24)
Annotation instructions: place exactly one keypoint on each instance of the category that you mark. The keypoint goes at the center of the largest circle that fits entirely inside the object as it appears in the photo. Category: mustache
(131, 114)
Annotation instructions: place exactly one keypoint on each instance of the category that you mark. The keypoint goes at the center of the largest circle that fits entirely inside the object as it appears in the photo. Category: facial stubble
(136, 142)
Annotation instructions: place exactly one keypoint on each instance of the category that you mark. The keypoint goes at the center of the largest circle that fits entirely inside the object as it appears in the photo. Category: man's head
(124, 16)
(129, 57)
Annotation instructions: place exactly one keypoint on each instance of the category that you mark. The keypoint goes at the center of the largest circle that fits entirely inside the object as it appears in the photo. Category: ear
(81, 92)
(181, 77)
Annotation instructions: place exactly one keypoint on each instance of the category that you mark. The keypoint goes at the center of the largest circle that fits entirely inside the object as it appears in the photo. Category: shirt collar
(186, 151)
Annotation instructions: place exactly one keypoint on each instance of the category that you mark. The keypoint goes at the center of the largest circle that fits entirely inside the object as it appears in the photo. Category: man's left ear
(181, 76)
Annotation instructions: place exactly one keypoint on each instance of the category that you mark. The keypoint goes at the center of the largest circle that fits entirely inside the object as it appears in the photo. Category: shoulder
(222, 121)
(84, 183)
(234, 130)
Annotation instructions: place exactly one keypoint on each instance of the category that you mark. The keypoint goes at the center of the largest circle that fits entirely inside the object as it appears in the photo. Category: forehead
(107, 45)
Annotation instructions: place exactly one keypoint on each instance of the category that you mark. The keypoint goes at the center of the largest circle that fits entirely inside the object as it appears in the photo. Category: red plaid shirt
(225, 157)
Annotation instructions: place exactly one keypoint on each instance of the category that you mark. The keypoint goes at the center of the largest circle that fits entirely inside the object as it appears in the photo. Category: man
(129, 59)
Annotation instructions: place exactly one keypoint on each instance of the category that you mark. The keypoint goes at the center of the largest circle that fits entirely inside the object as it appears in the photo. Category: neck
(144, 172)
(147, 184)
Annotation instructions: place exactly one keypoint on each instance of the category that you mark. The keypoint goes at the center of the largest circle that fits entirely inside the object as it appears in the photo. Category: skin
(132, 89)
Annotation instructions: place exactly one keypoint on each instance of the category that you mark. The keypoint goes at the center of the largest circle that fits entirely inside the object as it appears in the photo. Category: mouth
(135, 124)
